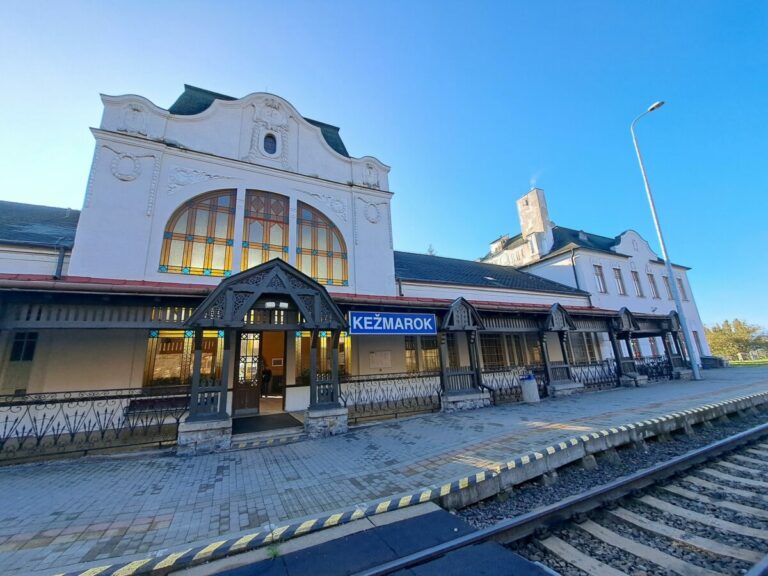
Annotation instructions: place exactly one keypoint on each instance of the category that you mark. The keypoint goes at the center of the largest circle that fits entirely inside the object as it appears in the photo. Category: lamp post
(692, 352)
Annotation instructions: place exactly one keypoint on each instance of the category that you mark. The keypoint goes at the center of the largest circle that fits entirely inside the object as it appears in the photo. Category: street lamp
(692, 352)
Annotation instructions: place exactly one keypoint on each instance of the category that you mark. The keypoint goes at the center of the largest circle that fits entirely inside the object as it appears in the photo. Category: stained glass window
(198, 237)
(321, 252)
(265, 235)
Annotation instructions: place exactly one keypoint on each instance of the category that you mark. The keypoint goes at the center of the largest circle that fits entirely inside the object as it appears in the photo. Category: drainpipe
(60, 263)
(576, 276)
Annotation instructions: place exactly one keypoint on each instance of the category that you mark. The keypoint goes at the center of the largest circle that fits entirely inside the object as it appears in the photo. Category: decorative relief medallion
(126, 166)
(338, 206)
(181, 177)
(371, 176)
(134, 119)
(372, 210)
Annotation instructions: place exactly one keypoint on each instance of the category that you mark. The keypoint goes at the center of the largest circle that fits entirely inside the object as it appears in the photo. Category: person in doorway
(266, 379)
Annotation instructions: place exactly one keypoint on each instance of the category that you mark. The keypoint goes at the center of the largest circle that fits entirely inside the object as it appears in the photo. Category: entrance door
(247, 385)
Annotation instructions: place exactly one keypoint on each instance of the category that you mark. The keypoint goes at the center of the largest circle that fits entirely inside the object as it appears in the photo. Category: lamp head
(656, 105)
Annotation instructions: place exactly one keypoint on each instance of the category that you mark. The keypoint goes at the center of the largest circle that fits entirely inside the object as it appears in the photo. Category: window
(453, 350)
(430, 354)
(667, 286)
(622, 290)
(170, 354)
(270, 144)
(533, 350)
(698, 342)
(265, 235)
(198, 237)
(637, 353)
(493, 353)
(600, 279)
(680, 285)
(654, 346)
(324, 354)
(638, 286)
(23, 347)
(321, 252)
(411, 359)
(584, 347)
(654, 288)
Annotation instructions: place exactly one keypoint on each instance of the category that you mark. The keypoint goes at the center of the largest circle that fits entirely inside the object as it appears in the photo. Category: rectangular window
(667, 286)
(680, 285)
(635, 345)
(600, 279)
(533, 350)
(638, 286)
(654, 346)
(411, 363)
(585, 347)
(698, 342)
(654, 288)
(453, 350)
(23, 347)
(430, 354)
(622, 290)
(493, 354)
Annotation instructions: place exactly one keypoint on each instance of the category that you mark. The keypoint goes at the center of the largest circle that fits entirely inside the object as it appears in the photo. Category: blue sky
(470, 103)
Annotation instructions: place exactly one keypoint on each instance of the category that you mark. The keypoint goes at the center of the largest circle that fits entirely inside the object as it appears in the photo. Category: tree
(734, 339)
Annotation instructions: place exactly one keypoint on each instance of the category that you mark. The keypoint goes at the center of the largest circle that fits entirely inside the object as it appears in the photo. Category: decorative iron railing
(679, 362)
(390, 395)
(654, 367)
(505, 386)
(596, 375)
(559, 371)
(48, 424)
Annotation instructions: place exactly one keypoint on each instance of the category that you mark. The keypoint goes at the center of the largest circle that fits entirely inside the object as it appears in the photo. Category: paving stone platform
(61, 516)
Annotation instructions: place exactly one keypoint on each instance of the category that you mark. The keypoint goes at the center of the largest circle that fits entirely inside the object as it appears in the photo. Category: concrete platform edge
(453, 494)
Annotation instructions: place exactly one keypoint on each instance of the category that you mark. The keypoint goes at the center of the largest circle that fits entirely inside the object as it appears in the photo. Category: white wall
(137, 181)
(88, 360)
(477, 294)
(29, 260)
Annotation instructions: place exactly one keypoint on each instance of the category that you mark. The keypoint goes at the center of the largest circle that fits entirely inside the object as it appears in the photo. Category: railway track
(702, 513)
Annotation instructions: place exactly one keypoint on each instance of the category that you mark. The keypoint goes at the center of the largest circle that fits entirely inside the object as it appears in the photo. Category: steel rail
(519, 527)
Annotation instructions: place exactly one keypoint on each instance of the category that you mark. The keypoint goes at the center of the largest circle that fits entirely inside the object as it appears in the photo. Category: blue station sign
(391, 323)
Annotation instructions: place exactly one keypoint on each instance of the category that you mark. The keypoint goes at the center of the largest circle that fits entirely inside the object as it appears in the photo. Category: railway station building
(233, 265)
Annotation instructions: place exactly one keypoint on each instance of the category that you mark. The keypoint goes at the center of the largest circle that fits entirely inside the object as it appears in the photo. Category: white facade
(627, 264)
(148, 162)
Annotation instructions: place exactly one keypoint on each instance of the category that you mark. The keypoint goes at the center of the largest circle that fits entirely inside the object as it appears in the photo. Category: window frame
(638, 286)
(602, 287)
(619, 278)
(654, 287)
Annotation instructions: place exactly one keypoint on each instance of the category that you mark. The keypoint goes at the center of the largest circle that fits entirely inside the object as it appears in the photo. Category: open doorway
(272, 400)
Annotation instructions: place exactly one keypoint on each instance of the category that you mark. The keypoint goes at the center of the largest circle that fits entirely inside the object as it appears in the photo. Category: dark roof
(567, 238)
(195, 100)
(437, 269)
(28, 224)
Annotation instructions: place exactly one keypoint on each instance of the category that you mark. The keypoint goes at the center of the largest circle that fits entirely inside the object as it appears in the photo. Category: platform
(63, 516)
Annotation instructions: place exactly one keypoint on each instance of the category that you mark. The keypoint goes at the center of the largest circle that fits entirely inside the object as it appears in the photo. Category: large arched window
(320, 249)
(265, 235)
(198, 237)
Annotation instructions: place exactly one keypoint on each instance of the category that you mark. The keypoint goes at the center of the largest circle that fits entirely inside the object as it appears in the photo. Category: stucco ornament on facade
(134, 119)
(181, 177)
(371, 176)
(269, 117)
(338, 206)
(126, 166)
